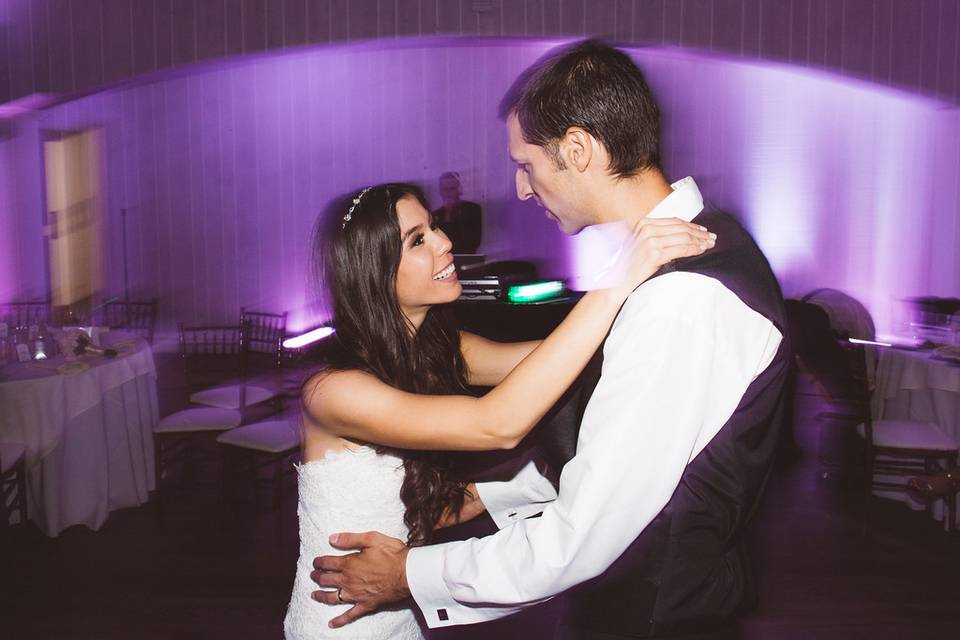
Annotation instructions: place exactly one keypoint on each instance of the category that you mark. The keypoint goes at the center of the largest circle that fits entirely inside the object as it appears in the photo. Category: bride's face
(426, 275)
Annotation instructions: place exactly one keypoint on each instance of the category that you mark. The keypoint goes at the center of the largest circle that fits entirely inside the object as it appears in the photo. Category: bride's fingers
(661, 250)
(681, 250)
(653, 228)
(643, 232)
(666, 222)
(681, 238)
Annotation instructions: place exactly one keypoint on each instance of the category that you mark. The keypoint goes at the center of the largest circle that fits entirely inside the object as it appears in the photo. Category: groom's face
(538, 176)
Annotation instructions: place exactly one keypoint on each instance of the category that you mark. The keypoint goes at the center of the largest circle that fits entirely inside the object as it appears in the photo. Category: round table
(917, 385)
(88, 432)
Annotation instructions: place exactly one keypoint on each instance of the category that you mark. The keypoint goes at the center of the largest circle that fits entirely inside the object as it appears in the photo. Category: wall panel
(56, 46)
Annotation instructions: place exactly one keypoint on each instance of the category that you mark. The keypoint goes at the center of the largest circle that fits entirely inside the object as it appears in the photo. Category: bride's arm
(354, 404)
(489, 362)
(357, 405)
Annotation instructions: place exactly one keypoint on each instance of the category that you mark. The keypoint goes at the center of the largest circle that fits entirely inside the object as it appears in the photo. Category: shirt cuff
(425, 581)
(429, 590)
(521, 497)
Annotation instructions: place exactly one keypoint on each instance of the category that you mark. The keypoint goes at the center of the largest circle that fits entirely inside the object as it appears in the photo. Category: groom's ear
(576, 148)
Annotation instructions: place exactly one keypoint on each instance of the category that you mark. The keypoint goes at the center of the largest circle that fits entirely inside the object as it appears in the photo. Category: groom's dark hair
(593, 86)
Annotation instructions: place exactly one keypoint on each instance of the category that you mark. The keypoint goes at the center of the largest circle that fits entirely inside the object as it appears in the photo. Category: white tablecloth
(916, 386)
(88, 435)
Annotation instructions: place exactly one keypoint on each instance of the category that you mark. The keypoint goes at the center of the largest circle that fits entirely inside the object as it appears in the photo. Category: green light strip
(535, 292)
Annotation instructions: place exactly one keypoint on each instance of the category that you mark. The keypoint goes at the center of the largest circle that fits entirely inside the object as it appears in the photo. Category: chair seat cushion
(271, 436)
(11, 454)
(199, 420)
(909, 434)
(228, 397)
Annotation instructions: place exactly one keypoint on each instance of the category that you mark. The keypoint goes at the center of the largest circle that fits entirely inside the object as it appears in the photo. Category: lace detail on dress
(354, 490)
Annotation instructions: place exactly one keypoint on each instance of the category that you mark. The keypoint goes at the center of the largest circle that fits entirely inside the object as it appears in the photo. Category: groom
(646, 532)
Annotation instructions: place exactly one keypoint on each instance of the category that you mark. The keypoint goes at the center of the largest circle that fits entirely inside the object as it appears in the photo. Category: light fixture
(535, 291)
(873, 343)
(308, 338)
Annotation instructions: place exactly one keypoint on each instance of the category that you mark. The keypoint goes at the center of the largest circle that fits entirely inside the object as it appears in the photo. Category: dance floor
(820, 577)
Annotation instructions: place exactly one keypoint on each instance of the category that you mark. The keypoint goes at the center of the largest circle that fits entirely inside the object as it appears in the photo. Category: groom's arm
(524, 495)
(677, 362)
(673, 374)
(506, 502)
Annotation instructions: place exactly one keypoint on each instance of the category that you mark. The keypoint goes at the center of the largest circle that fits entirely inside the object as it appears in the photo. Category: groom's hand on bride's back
(371, 577)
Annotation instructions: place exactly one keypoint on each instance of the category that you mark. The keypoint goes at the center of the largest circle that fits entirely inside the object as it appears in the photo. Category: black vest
(687, 569)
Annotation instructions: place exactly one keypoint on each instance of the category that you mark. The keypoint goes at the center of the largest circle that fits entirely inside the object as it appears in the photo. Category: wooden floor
(820, 576)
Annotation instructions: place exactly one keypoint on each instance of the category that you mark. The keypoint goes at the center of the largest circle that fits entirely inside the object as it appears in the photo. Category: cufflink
(442, 614)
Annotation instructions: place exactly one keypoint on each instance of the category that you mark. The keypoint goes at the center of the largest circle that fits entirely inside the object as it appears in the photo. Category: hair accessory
(353, 206)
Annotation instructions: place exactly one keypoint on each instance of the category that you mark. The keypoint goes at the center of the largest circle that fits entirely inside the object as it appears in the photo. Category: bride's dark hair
(357, 249)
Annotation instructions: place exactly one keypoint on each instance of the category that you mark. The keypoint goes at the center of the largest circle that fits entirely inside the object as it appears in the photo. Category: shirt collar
(685, 202)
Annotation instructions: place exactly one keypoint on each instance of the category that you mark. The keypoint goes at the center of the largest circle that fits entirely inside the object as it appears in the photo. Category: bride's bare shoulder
(328, 380)
(328, 388)
(328, 398)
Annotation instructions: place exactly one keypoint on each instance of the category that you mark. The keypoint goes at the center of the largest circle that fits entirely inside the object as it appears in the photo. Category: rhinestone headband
(347, 218)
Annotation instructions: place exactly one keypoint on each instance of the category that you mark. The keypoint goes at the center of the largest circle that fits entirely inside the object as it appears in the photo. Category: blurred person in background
(461, 220)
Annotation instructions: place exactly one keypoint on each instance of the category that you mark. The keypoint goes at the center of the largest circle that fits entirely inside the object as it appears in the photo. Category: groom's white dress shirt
(678, 359)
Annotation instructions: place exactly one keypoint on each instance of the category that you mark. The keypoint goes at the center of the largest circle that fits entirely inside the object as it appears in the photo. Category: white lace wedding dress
(356, 490)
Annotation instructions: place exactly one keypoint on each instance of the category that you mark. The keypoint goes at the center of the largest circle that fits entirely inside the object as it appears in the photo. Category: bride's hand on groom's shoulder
(650, 244)
(372, 576)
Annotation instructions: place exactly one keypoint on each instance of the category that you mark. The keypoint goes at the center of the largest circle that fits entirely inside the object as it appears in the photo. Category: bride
(395, 388)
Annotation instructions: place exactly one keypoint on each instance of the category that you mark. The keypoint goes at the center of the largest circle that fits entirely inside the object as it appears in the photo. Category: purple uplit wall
(844, 184)
(223, 167)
